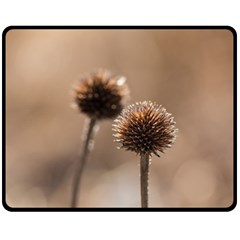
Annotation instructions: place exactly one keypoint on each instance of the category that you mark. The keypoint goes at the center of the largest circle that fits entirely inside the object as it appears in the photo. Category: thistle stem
(87, 138)
(144, 175)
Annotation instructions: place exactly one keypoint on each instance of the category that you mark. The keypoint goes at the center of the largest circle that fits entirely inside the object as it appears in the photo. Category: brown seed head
(101, 95)
(145, 128)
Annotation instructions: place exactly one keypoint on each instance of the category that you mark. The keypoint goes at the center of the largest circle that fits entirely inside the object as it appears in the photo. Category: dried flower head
(101, 95)
(145, 128)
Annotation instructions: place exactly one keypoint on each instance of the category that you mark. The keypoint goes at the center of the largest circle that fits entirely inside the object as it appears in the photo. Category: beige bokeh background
(190, 72)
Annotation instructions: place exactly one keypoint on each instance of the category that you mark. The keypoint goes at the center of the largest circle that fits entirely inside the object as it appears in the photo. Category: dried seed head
(101, 95)
(145, 128)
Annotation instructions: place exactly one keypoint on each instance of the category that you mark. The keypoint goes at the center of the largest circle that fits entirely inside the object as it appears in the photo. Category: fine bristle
(145, 128)
(101, 95)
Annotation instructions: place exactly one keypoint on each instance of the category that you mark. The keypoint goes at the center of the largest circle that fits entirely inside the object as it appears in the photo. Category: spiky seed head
(101, 95)
(145, 128)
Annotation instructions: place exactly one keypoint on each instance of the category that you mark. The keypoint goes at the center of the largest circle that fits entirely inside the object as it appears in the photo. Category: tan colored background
(190, 72)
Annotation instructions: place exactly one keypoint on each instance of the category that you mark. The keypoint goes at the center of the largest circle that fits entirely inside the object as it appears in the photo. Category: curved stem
(144, 175)
(87, 141)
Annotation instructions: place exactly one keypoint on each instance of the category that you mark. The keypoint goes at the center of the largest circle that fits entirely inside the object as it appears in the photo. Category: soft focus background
(190, 72)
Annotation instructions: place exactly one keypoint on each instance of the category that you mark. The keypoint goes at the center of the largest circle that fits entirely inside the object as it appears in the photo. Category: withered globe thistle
(145, 128)
(101, 95)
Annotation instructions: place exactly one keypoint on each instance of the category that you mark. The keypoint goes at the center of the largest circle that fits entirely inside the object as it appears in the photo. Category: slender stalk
(86, 143)
(144, 175)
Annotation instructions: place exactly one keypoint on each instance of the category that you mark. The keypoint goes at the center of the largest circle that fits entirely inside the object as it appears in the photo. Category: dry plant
(145, 128)
(100, 96)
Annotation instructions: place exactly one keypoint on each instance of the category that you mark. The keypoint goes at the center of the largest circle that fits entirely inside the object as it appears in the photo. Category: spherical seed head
(145, 128)
(101, 95)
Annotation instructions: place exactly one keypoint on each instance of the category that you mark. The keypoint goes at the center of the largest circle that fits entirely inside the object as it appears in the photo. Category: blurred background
(189, 72)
